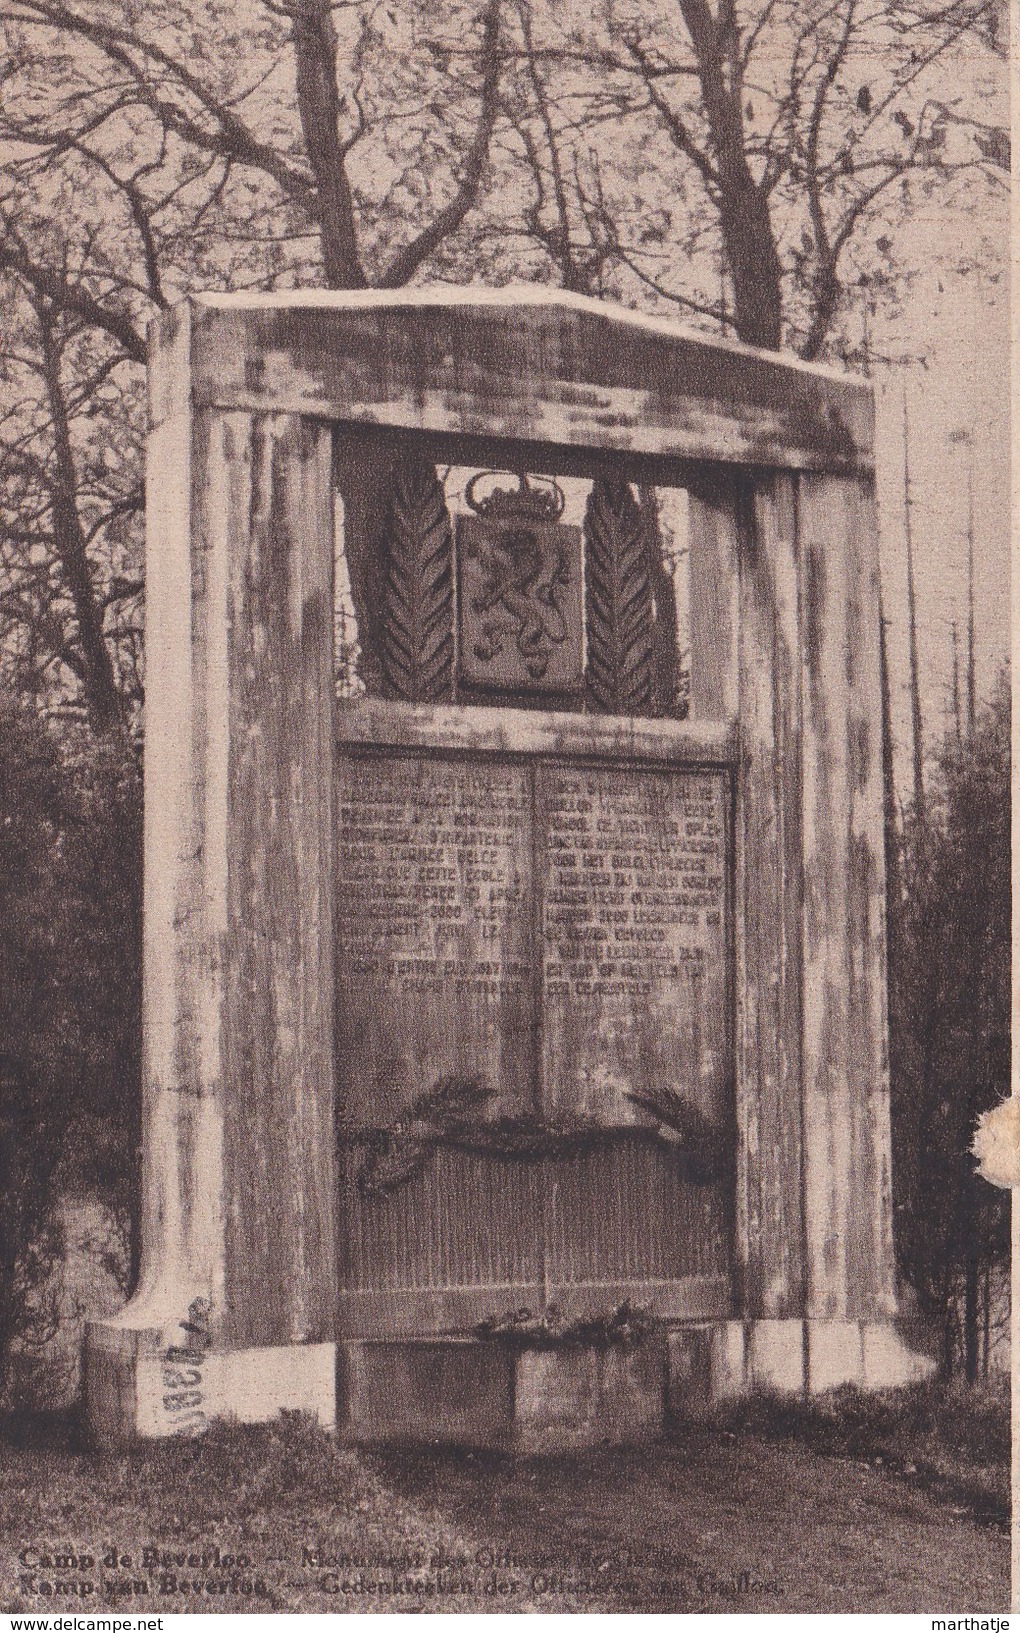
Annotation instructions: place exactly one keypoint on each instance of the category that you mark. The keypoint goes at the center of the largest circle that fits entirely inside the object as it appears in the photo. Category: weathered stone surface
(634, 934)
(891, 1359)
(484, 1393)
(450, 1391)
(435, 953)
(847, 1186)
(238, 1024)
(371, 722)
(775, 1356)
(137, 1389)
(539, 901)
(835, 1355)
(559, 934)
(690, 1392)
(769, 911)
(522, 364)
(576, 1396)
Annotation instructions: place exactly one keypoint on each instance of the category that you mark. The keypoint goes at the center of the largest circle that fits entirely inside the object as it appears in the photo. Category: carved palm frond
(618, 602)
(665, 644)
(417, 635)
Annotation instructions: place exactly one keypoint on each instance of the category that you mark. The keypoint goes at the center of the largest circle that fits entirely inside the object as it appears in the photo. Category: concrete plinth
(706, 1365)
(570, 1398)
(470, 1392)
(139, 1388)
(713, 1362)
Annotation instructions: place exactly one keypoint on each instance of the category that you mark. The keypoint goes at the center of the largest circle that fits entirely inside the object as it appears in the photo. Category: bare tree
(728, 158)
(722, 160)
(149, 154)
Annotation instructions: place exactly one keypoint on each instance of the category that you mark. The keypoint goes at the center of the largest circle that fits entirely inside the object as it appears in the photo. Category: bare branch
(70, 544)
(407, 261)
(230, 136)
(68, 296)
(678, 131)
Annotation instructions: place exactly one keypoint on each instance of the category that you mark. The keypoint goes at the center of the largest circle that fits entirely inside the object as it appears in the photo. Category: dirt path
(714, 1522)
(711, 1521)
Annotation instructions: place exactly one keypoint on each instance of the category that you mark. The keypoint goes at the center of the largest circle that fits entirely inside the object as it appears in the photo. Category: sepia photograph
(505, 765)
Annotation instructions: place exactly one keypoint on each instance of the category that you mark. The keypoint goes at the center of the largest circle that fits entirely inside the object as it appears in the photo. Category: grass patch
(951, 1439)
(737, 1514)
(302, 1513)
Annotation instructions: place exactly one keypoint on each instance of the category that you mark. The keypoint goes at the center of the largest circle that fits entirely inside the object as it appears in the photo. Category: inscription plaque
(557, 931)
(434, 938)
(633, 925)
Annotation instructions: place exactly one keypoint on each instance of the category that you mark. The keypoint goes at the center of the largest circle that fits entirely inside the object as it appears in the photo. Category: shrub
(70, 985)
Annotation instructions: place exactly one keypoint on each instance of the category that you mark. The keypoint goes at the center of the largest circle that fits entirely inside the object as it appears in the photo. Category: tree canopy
(746, 165)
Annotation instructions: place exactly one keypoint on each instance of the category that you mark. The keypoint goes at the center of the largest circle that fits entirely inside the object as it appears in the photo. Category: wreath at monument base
(451, 1115)
(624, 1327)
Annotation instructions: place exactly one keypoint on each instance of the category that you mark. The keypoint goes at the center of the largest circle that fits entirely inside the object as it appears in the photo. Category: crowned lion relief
(519, 573)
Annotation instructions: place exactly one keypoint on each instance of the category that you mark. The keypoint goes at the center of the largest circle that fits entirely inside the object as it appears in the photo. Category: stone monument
(514, 925)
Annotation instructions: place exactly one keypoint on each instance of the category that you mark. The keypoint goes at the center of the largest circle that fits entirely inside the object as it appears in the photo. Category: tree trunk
(917, 729)
(949, 1324)
(971, 683)
(753, 259)
(102, 699)
(970, 1317)
(893, 871)
(754, 266)
(364, 475)
(971, 1273)
(319, 106)
(827, 291)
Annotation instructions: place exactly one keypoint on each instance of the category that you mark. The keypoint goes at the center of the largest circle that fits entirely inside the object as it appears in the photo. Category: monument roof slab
(523, 364)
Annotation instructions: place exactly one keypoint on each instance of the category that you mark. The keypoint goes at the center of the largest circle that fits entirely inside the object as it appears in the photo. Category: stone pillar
(769, 912)
(234, 1314)
(849, 1288)
(814, 1209)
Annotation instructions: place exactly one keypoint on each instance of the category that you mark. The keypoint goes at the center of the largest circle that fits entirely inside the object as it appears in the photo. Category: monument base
(449, 1391)
(716, 1361)
(138, 1388)
(464, 1391)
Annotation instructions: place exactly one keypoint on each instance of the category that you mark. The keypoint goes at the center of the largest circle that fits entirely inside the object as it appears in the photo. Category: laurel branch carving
(417, 636)
(618, 602)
